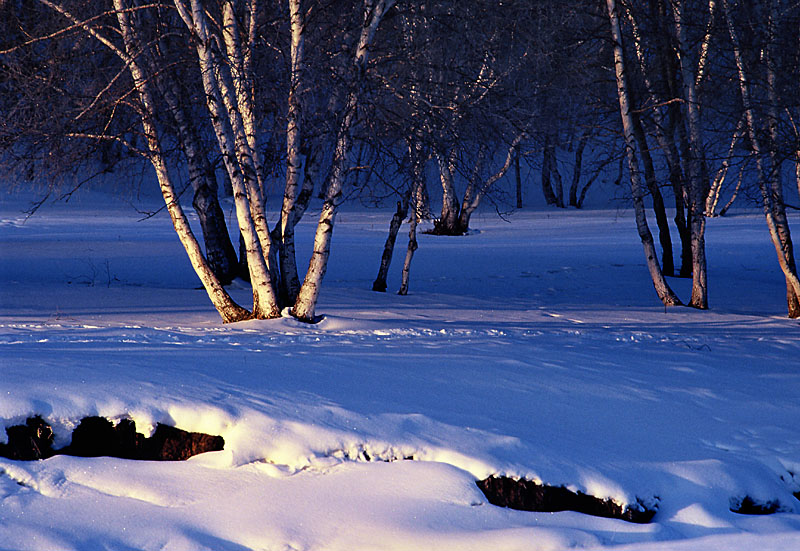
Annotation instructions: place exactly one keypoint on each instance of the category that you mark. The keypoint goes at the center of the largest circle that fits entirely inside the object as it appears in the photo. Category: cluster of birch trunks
(463, 100)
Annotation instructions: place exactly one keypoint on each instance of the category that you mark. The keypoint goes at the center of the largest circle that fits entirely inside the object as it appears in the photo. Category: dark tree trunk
(576, 171)
(219, 249)
(667, 262)
(548, 164)
(388, 248)
(518, 177)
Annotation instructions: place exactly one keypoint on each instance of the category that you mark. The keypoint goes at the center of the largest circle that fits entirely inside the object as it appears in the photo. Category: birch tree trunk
(234, 148)
(412, 247)
(666, 141)
(400, 214)
(548, 165)
(697, 181)
(227, 308)
(473, 199)
(577, 169)
(219, 249)
(665, 293)
(448, 221)
(775, 167)
(307, 297)
(416, 213)
(472, 190)
(716, 186)
(290, 280)
(797, 170)
(664, 237)
(735, 193)
(240, 65)
(774, 209)
(518, 177)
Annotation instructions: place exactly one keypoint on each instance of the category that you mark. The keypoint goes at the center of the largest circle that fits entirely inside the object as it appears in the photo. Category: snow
(534, 347)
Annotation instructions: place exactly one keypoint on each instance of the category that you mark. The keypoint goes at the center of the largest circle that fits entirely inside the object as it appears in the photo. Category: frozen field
(533, 348)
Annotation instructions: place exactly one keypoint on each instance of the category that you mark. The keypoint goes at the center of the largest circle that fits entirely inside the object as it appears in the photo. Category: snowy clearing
(534, 349)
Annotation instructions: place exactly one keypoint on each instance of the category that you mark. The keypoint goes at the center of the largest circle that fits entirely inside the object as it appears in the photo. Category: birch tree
(128, 54)
(223, 39)
(767, 168)
(696, 160)
(92, 112)
(663, 290)
(304, 308)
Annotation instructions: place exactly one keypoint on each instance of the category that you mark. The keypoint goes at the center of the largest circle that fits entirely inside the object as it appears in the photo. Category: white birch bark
(449, 215)
(416, 215)
(227, 308)
(294, 160)
(667, 145)
(782, 246)
(412, 247)
(665, 293)
(229, 72)
(697, 185)
(245, 190)
(477, 90)
(240, 65)
(775, 167)
(399, 215)
(305, 306)
(716, 186)
(735, 193)
(705, 45)
(219, 249)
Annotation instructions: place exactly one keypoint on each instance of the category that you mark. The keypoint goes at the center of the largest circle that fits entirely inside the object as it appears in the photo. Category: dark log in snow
(526, 495)
(97, 436)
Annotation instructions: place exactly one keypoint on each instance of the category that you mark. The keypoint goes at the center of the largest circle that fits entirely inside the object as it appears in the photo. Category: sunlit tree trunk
(697, 180)
(716, 186)
(772, 199)
(662, 288)
(240, 66)
(305, 306)
(775, 168)
(664, 129)
(290, 280)
(232, 141)
(418, 184)
(227, 308)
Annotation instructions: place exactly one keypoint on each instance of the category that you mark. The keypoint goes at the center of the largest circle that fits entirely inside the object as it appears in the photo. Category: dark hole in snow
(749, 506)
(97, 436)
(526, 495)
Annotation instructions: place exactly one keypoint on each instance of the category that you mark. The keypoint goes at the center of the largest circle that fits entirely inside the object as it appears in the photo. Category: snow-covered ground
(533, 348)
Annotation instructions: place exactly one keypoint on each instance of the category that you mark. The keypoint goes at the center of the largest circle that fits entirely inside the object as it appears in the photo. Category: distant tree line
(340, 97)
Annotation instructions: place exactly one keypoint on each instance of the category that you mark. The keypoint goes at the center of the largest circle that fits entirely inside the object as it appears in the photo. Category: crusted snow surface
(532, 349)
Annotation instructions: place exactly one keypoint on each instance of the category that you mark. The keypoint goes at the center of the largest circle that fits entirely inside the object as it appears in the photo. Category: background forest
(691, 102)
